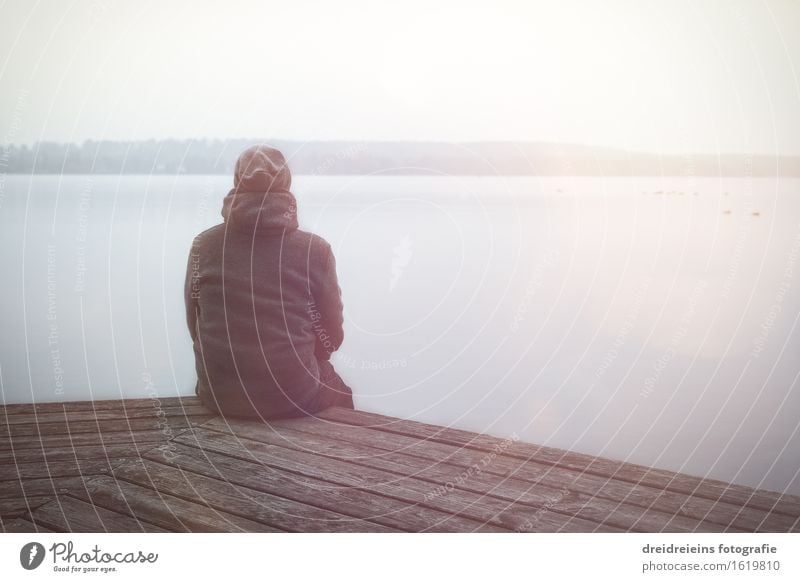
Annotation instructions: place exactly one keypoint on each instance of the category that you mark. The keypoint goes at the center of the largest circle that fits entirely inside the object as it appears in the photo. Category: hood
(260, 200)
(261, 169)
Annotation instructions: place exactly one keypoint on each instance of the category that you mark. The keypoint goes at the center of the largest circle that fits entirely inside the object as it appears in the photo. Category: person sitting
(263, 303)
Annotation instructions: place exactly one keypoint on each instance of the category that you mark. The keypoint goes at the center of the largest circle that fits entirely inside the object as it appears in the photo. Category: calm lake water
(647, 319)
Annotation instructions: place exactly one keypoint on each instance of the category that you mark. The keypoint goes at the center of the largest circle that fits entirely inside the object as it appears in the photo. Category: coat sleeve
(328, 309)
(191, 290)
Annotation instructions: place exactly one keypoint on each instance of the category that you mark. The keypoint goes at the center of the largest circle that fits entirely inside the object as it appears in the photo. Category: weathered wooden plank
(20, 525)
(98, 415)
(671, 481)
(272, 510)
(68, 468)
(91, 405)
(123, 448)
(18, 506)
(166, 511)
(31, 488)
(171, 427)
(69, 514)
(356, 503)
(445, 475)
(651, 498)
(484, 508)
(143, 438)
(17, 431)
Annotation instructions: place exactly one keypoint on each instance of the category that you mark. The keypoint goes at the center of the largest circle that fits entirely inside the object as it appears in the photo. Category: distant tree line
(174, 156)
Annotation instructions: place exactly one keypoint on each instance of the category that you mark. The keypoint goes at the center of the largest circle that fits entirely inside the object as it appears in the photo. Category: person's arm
(191, 290)
(328, 311)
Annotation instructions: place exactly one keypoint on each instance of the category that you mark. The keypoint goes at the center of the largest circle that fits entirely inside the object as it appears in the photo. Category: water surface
(645, 319)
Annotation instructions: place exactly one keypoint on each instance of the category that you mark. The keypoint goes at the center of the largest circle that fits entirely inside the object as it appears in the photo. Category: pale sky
(671, 76)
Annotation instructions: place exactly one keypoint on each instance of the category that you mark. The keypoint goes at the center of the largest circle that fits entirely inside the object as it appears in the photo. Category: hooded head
(261, 168)
(260, 200)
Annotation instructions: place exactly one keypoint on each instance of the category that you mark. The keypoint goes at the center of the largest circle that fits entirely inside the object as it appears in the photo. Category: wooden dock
(170, 466)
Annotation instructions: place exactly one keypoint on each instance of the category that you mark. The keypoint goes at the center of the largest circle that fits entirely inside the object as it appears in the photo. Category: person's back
(263, 302)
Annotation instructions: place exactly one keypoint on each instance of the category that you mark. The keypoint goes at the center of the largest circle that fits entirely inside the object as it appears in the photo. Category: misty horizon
(342, 157)
(407, 141)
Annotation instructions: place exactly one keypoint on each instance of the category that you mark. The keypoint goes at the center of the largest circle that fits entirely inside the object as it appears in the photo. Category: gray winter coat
(263, 303)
